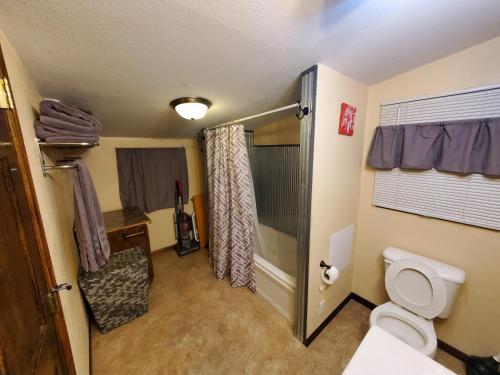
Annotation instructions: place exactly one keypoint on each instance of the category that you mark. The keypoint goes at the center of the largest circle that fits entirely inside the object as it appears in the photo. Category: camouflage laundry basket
(118, 292)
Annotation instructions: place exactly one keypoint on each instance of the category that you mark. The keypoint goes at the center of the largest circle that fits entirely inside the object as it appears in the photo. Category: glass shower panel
(275, 172)
(276, 181)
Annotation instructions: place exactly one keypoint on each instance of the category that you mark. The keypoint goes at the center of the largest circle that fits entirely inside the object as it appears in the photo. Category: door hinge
(6, 101)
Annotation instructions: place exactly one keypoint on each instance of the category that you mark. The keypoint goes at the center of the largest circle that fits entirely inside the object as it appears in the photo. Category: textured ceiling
(126, 59)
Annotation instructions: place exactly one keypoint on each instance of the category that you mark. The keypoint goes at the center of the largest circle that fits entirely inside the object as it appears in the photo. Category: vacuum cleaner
(186, 232)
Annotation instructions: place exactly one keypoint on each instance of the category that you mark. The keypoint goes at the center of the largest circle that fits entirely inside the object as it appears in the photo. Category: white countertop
(380, 353)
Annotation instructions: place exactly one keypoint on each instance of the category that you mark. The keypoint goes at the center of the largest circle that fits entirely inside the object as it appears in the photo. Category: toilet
(420, 289)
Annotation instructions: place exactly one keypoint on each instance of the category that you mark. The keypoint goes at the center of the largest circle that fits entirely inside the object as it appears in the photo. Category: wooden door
(33, 335)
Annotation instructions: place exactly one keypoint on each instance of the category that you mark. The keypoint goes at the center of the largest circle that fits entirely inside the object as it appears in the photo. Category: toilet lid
(416, 287)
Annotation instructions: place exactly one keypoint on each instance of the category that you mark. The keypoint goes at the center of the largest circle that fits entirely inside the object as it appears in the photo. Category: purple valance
(467, 146)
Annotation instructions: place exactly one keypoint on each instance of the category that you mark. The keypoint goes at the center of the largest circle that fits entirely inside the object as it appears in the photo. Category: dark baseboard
(363, 301)
(330, 317)
(454, 352)
(451, 350)
(163, 250)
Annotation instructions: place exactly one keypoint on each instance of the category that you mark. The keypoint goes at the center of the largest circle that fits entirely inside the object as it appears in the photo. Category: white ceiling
(127, 59)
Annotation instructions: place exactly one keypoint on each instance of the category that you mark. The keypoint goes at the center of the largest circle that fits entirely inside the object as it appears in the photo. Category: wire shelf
(63, 164)
(67, 144)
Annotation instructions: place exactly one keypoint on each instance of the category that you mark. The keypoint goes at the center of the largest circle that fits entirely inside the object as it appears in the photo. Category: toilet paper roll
(328, 276)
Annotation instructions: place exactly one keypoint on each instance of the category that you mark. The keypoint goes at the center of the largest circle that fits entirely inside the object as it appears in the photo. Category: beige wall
(282, 132)
(473, 324)
(335, 185)
(54, 195)
(101, 162)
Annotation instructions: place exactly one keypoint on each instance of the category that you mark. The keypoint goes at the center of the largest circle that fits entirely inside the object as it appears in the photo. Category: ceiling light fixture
(191, 108)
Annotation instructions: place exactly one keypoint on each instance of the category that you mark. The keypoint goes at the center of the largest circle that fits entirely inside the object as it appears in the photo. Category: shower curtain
(231, 203)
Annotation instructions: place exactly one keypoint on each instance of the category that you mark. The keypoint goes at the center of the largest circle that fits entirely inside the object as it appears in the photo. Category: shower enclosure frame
(308, 98)
(307, 110)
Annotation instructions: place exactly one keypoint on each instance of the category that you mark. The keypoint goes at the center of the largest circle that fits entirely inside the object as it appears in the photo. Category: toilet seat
(426, 298)
(391, 317)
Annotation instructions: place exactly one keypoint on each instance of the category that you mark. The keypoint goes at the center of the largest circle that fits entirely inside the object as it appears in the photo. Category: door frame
(41, 240)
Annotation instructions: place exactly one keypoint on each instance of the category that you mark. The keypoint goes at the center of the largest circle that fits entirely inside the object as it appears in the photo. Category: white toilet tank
(452, 276)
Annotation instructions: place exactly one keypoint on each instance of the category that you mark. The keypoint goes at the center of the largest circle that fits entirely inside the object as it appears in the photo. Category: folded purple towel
(66, 128)
(71, 139)
(51, 136)
(69, 114)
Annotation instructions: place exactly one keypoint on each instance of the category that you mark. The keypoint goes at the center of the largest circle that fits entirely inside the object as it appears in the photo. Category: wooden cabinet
(127, 228)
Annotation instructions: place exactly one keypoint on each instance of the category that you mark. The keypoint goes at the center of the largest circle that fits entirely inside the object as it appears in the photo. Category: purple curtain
(147, 177)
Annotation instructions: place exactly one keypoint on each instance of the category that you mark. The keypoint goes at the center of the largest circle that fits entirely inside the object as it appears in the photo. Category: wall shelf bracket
(62, 163)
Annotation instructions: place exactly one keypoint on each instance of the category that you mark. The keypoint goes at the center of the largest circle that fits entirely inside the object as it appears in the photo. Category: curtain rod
(303, 112)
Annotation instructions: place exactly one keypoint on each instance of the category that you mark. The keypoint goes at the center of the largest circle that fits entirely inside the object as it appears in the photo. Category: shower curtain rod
(303, 112)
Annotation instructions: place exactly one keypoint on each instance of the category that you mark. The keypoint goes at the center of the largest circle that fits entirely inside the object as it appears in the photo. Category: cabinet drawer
(127, 228)
(124, 239)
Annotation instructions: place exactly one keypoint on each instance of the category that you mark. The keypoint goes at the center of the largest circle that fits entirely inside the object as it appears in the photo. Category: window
(472, 199)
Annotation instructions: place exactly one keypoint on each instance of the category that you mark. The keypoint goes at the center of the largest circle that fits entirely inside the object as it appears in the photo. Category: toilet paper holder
(329, 274)
(324, 265)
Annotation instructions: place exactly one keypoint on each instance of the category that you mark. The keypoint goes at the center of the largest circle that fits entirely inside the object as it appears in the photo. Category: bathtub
(274, 263)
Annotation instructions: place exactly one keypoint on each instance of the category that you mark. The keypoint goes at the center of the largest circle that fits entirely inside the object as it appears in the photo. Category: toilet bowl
(412, 329)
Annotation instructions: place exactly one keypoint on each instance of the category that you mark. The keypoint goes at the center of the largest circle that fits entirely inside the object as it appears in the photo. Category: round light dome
(191, 108)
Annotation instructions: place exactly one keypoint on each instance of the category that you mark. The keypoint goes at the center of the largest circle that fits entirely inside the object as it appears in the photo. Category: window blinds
(472, 199)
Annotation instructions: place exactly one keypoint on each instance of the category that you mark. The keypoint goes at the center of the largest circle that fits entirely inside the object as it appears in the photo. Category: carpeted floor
(197, 325)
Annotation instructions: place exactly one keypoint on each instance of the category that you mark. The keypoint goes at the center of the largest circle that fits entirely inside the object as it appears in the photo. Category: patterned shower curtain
(231, 205)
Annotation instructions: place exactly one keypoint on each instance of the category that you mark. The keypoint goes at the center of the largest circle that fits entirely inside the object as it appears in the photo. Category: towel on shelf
(51, 134)
(89, 223)
(68, 113)
(70, 128)
(59, 122)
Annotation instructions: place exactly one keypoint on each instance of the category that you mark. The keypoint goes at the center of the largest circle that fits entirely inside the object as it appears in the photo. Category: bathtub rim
(287, 281)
